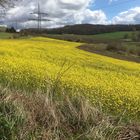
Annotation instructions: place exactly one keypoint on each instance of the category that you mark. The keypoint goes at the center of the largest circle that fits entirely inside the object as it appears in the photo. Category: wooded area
(85, 29)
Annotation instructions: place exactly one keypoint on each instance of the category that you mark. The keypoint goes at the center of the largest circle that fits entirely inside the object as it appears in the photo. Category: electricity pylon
(39, 18)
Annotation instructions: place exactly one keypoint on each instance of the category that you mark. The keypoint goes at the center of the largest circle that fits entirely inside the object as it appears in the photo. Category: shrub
(115, 46)
(138, 52)
(78, 40)
(136, 36)
(16, 36)
(11, 30)
(126, 36)
(135, 51)
(112, 47)
(132, 51)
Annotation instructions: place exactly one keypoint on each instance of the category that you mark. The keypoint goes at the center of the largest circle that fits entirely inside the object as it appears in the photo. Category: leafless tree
(7, 3)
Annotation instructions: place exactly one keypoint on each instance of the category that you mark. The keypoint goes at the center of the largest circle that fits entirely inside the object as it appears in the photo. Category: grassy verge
(4, 35)
(43, 116)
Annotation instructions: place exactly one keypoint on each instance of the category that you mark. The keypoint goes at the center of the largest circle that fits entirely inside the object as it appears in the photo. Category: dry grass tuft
(43, 117)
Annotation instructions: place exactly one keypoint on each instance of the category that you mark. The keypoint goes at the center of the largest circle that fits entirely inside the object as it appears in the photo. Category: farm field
(99, 38)
(119, 45)
(4, 35)
(35, 63)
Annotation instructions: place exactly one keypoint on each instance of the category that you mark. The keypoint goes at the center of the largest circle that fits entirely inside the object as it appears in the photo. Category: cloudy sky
(66, 12)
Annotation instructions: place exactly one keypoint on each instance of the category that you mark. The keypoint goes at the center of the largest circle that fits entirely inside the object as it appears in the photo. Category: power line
(39, 18)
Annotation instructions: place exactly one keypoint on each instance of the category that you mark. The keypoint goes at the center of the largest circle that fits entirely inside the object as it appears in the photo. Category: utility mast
(39, 18)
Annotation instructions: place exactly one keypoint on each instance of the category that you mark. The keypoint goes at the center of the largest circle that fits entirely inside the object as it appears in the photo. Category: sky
(67, 12)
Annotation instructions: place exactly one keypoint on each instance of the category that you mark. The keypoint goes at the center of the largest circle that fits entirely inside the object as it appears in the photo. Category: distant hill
(85, 29)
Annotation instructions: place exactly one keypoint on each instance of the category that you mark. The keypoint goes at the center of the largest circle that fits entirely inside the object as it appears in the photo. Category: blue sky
(115, 7)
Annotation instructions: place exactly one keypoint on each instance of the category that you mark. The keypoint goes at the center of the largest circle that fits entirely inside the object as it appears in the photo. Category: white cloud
(61, 12)
(93, 17)
(110, 1)
(132, 16)
(65, 12)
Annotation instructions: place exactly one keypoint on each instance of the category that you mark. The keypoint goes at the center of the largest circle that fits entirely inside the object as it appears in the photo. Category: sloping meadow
(39, 63)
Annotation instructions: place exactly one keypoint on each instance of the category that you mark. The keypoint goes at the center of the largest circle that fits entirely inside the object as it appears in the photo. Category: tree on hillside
(126, 36)
(138, 36)
(11, 30)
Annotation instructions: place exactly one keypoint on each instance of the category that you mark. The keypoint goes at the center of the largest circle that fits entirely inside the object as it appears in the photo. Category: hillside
(27, 66)
(52, 89)
(84, 29)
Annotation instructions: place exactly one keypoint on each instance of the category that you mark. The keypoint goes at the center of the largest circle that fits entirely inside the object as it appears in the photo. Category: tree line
(85, 29)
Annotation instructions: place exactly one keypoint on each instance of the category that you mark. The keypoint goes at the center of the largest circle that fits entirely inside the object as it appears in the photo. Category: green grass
(4, 35)
(112, 36)
(99, 38)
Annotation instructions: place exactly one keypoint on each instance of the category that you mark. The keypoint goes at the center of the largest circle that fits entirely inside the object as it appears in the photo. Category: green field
(4, 35)
(112, 36)
(36, 63)
(104, 38)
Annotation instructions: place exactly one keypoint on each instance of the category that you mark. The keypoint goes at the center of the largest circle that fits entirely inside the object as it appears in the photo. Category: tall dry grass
(39, 116)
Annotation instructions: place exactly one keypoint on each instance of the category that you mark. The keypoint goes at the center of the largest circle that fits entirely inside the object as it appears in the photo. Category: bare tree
(7, 3)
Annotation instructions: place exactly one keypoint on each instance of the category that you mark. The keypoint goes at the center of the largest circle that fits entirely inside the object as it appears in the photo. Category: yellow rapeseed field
(29, 63)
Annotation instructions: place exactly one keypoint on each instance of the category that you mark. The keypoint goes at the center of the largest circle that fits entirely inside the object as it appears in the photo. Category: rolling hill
(84, 29)
(36, 63)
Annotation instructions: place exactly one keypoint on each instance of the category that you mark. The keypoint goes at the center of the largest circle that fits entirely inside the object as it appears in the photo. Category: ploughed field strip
(30, 64)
